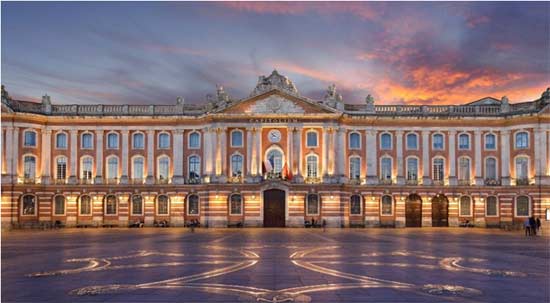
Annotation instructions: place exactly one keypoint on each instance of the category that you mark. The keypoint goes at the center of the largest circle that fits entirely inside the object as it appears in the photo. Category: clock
(274, 136)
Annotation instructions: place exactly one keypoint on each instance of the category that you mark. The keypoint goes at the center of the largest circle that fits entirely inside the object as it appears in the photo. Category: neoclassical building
(273, 159)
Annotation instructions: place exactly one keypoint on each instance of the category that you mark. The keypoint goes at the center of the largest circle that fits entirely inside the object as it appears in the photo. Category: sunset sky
(149, 53)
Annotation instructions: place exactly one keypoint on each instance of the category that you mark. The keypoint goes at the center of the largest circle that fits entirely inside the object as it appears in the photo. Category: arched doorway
(413, 211)
(440, 211)
(274, 208)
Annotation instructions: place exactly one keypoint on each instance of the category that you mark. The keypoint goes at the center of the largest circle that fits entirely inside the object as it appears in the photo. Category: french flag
(267, 165)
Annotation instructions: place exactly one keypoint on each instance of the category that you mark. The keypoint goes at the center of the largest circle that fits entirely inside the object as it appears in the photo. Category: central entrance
(440, 211)
(413, 211)
(274, 208)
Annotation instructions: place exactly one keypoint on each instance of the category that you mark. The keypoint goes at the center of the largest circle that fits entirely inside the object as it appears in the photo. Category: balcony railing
(385, 181)
(162, 181)
(60, 181)
(29, 180)
(412, 182)
(464, 182)
(86, 181)
(235, 179)
(438, 182)
(111, 181)
(194, 180)
(355, 181)
(522, 181)
(312, 180)
(137, 181)
(491, 182)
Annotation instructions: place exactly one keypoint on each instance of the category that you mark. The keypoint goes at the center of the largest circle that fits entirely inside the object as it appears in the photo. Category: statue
(370, 104)
(504, 104)
(332, 98)
(221, 94)
(275, 80)
(180, 100)
(546, 95)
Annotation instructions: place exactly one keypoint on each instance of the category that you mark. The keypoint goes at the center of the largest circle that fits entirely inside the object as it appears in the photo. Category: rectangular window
(85, 205)
(355, 168)
(312, 139)
(61, 169)
(438, 142)
(412, 142)
(236, 139)
(87, 141)
(355, 205)
(194, 140)
(30, 139)
(490, 141)
(465, 207)
(312, 205)
(463, 141)
(438, 169)
(412, 169)
(387, 204)
(236, 205)
(492, 207)
(137, 205)
(138, 141)
(386, 169)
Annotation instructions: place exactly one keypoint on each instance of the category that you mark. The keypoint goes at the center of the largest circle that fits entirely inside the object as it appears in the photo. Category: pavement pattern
(274, 265)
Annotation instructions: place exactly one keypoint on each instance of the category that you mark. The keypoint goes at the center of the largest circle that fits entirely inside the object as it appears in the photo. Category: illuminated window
(236, 166)
(138, 141)
(235, 204)
(523, 206)
(354, 141)
(59, 205)
(61, 165)
(355, 205)
(193, 205)
(385, 142)
(522, 140)
(85, 205)
(29, 138)
(110, 205)
(162, 205)
(61, 141)
(28, 205)
(311, 162)
(355, 168)
(137, 205)
(164, 140)
(386, 205)
(275, 158)
(236, 138)
(491, 206)
(465, 206)
(312, 206)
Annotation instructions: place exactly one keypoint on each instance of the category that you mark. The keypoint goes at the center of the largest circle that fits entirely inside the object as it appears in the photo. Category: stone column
(399, 147)
(541, 157)
(289, 148)
(124, 158)
(207, 157)
(341, 156)
(15, 150)
(299, 177)
(372, 158)
(331, 155)
(426, 180)
(98, 156)
(324, 156)
(259, 154)
(452, 158)
(46, 155)
(177, 178)
(249, 145)
(505, 156)
(478, 161)
(9, 154)
(223, 153)
(73, 156)
(150, 157)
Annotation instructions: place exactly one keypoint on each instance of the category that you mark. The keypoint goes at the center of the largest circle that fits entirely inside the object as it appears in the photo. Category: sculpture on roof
(221, 100)
(504, 104)
(370, 103)
(274, 81)
(545, 97)
(332, 98)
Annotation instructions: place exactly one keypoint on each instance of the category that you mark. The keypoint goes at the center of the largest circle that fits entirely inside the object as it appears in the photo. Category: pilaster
(426, 180)
(73, 156)
(46, 155)
(399, 149)
(124, 158)
(177, 178)
(505, 156)
(99, 156)
(453, 180)
(478, 161)
(371, 156)
(150, 179)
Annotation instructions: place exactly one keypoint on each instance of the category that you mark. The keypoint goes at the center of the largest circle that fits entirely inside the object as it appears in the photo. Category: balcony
(111, 181)
(355, 181)
(465, 182)
(412, 182)
(522, 181)
(235, 179)
(438, 182)
(194, 180)
(491, 182)
(27, 180)
(273, 176)
(137, 181)
(86, 181)
(162, 181)
(312, 180)
(385, 181)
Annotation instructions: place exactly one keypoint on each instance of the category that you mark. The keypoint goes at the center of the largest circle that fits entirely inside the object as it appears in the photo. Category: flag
(268, 166)
(287, 174)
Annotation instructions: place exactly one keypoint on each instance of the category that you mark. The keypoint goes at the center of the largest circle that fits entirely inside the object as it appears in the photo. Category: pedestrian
(538, 225)
(527, 227)
(533, 225)
(324, 225)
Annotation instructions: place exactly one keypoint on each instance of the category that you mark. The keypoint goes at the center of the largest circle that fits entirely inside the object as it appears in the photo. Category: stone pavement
(274, 265)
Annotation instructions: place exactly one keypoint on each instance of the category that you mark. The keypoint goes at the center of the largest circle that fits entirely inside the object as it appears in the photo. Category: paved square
(274, 265)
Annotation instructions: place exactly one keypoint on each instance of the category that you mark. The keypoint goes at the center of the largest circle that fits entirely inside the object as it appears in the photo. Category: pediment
(485, 101)
(277, 102)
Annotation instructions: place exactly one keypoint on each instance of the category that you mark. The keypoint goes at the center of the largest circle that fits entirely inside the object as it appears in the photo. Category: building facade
(275, 158)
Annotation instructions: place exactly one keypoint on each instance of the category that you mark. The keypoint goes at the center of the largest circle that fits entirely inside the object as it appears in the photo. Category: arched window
(464, 169)
(523, 206)
(275, 158)
(59, 205)
(137, 205)
(87, 141)
(385, 141)
(194, 140)
(438, 142)
(193, 205)
(112, 141)
(385, 168)
(412, 141)
(194, 168)
(465, 206)
(355, 168)
(29, 167)
(236, 138)
(236, 204)
(163, 168)
(438, 168)
(138, 141)
(354, 141)
(490, 168)
(61, 168)
(85, 205)
(522, 140)
(312, 204)
(355, 205)
(164, 140)
(110, 205)
(61, 141)
(137, 168)
(491, 207)
(464, 141)
(86, 166)
(490, 142)
(386, 205)
(311, 163)
(412, 169)
(112, 168)
(522, 170)
(311, 139)
(28, 205)
(29, 138)
(162, 205)
(236, 166)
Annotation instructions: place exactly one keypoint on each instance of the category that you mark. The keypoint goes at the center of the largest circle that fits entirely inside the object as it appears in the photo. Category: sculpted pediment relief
(274, 105)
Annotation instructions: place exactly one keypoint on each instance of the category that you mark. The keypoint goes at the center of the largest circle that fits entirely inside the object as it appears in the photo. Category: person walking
(527, 227)
(538, 225)
(533, 225)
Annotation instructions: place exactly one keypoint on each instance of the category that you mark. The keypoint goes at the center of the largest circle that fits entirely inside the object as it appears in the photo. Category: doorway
(274, 208)
(440, 211)
(413, 211)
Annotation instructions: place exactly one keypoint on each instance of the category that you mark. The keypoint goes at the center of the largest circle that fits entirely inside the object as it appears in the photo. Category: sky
(152, 52)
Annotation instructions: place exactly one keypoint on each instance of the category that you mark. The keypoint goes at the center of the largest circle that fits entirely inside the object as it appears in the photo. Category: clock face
(274, 136)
